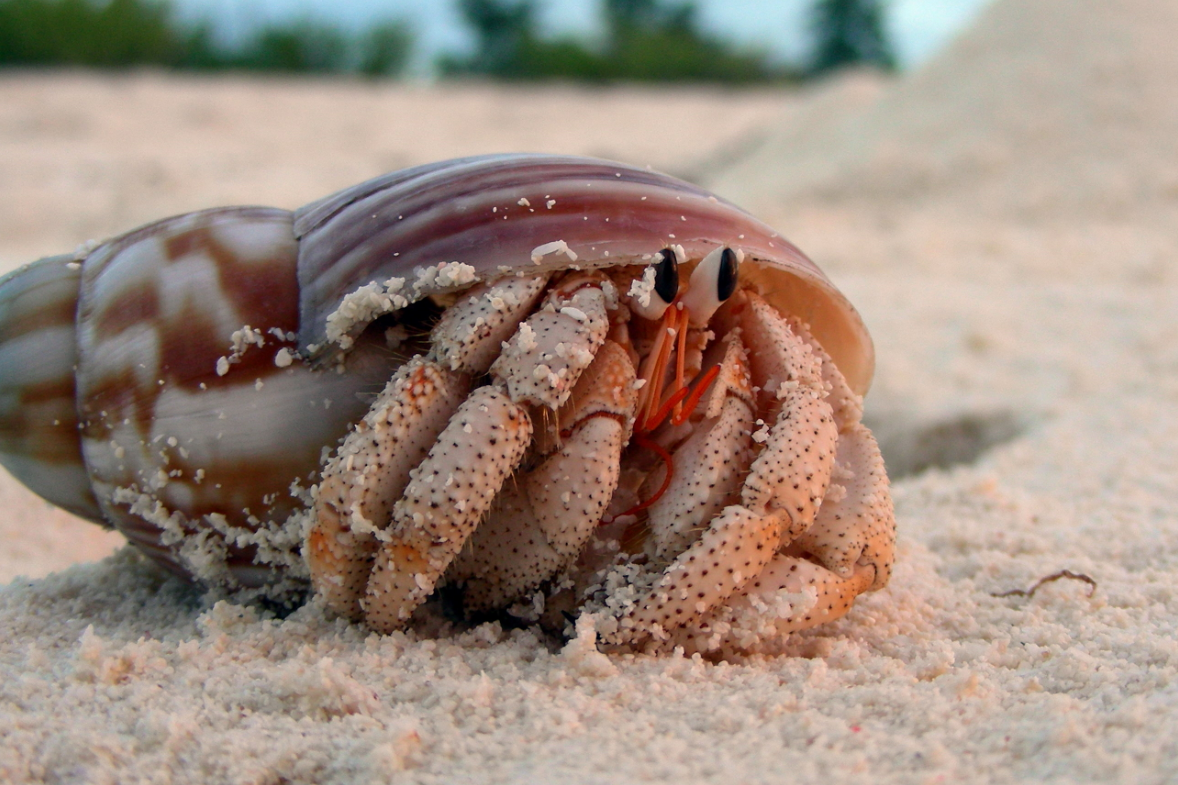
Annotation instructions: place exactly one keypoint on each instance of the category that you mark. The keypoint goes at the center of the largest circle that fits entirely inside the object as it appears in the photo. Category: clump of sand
(1010, 248)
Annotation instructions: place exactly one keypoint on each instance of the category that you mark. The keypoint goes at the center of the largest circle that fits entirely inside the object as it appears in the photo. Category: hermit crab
(546, 385)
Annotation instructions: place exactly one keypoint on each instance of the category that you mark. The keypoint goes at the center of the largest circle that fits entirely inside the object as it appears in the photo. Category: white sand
(1006, 222)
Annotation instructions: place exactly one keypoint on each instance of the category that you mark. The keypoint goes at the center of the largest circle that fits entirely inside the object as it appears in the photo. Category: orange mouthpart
(682, 400)
(659, 450)
(697, 392)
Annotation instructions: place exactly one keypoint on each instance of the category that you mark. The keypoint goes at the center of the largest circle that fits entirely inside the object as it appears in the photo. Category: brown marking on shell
(265, 286)
(468, 211)
(42, 295)
(191, 344)
(21, 424)
(133, 305)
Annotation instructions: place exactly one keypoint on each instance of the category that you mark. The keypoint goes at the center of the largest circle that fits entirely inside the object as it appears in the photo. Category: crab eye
(712, 282)
(726, 276)
(666, 276)
(651, 295)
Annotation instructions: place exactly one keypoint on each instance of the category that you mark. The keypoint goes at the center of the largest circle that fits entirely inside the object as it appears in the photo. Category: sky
(917, 27)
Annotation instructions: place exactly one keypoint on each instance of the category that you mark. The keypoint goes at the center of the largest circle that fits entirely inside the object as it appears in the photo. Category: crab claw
(449, 493)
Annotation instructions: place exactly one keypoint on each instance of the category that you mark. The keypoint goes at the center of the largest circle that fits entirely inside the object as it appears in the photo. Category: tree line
(644, 40)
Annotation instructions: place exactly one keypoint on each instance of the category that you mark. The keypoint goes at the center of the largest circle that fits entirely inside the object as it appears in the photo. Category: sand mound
(1044, 108)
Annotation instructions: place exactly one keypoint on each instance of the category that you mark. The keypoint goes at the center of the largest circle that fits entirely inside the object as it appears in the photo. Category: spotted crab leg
(855, 527)
(540, 524)
(791, 594)
(355, 500)
(783, 359)
(453, 488)
(852, 538)
(369, 473)
(855, 524)
(445, 499)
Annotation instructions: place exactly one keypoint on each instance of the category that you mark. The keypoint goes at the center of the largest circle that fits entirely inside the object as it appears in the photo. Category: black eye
(726, 276)
(666, 276)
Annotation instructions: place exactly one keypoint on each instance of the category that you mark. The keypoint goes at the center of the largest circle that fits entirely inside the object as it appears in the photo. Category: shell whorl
(38, 417)
(178, 430)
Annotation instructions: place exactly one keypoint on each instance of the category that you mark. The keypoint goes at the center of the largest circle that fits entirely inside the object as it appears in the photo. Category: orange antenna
(681, 354)
(654, 366)
(657, 418)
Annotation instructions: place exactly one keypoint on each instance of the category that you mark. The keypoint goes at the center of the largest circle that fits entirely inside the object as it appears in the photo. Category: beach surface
(1006, 221)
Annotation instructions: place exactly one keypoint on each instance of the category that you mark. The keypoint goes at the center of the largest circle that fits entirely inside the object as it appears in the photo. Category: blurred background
(994, 185)
(115, 112)
(730, 41)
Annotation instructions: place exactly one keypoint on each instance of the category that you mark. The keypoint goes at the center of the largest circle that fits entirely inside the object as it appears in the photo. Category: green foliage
(652, 42)
(849, 32)
(505, 37)
(123, 33)
(78, 32)
(299, 47)
(645, 41)
(385, 49)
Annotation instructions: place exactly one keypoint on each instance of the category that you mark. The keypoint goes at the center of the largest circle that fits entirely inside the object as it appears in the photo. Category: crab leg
(851, 538)
(782, 358)
(481, 446)
(546, 356)
(449, 493)
(792, 473)
(855, 526)
(834, 594)
(369, 472)
(779, 498)
(847, 406)
(735, 546)
(540, 524)
(790, 595)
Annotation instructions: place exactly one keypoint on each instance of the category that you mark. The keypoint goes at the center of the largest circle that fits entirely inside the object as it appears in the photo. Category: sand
(1003, 219)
